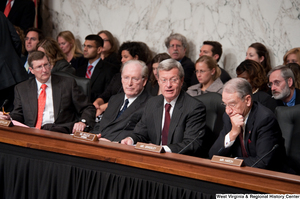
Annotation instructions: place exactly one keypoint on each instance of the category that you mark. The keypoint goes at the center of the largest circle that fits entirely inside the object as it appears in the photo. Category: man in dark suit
(282, 84)
(250, 129)
(22, 12)
(177, 46)
(12, 71)
(116, 123)
(62, 100)
(100, 72)
(173, 119)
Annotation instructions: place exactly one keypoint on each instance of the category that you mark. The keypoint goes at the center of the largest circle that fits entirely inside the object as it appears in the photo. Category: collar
(173, 102)
(292, 101)
(39, 84)
(131, 100)
(95, 62)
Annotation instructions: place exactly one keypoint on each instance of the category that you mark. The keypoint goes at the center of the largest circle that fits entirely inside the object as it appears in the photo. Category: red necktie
(165, 130)
(7, 8)
(41, 106)
(88, 73)
(244, 152)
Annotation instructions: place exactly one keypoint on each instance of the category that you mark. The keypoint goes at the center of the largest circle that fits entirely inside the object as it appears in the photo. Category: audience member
(296, 71)
(12, 71)
(57, 58)
(20, 13)
(250, 130)
(173, 119)
(128, 51)
(214, 50)
(282, 84)
(100, 72)
(125, 109)
(152, 86)
(208, 74)
(292, 56)
(69, 47)
(110, 48)
(177, 46)
(255, 74)
(259, 53)
(49, 101)
(32, 37)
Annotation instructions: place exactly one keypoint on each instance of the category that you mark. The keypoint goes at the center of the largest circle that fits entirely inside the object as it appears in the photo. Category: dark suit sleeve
(28, 15)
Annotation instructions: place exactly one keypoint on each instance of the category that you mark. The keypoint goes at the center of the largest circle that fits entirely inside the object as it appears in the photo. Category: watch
(83, 121)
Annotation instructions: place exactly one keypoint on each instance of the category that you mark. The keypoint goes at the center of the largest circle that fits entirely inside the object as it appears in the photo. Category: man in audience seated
(125, 110)
(100, 72)
(32, 38)
(214, 49)
(250, 129)
(50, 102)
(177, 46)
(282, 84)
(173, 119)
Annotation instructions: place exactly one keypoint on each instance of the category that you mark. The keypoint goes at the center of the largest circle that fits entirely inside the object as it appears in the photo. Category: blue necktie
(124, 108)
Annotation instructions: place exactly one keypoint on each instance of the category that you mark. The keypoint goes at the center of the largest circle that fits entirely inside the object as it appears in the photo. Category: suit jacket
(189, 68)
(21, 14)
(117, 129)
(188, 119)
(262, 133)
(68, 102)
(100, 79)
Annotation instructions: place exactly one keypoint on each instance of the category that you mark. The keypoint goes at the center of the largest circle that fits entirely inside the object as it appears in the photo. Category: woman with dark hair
(110, 47)
(254, 73)
(153, 87)
(208, 74)
(56, 57)
(67, 44)
(259, 53)
(128, 51)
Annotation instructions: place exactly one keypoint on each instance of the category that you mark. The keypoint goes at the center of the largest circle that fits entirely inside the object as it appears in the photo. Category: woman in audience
(259, 53)
(208, 74)
(254, 73)
(109, 52)
(57, 58)
(128, 51)
(292, 56)
(66, 42)
(152, 86)
(296, 70)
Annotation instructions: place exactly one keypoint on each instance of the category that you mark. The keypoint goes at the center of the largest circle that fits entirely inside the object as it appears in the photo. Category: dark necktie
(244, 152)
(88, 73)
(124, 108)
(165, 130)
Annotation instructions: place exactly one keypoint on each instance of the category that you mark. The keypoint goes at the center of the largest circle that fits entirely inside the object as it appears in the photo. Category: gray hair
(142, 64)
(178, 37)
(238, 85)
(285, 73)
(169, 64)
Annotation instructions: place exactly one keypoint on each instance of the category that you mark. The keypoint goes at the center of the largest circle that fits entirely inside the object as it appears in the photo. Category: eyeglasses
(201, 71)
(275, 83)
(173, 80)
(230, 105)
(175, 45)
(133, 79)
(88, 46)
(46, 66)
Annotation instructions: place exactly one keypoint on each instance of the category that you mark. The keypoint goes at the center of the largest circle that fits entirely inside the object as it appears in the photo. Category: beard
(283, 94)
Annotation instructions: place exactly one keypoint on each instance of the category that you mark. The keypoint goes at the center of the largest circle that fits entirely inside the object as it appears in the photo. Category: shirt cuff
(227, 142)
(167, 149)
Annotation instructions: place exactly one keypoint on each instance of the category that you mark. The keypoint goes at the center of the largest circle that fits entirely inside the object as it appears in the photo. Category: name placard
(226, 160)
(85, 136)
(7, 123)
(149, 147)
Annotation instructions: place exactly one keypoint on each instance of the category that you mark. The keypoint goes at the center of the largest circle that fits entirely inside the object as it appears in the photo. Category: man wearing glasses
(125, 110)
(98, 71)
(282, 85)
(50, 102)
(173, 119)
(250, 129)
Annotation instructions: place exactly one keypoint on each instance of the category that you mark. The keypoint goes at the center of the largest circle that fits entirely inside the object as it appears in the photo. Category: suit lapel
(157, 117)
(176, 115)
(56, 94)
(32, 94)
(250, 124)
(96, 72)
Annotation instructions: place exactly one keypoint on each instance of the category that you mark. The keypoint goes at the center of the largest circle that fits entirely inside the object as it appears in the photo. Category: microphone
(4, 103)
(200, 133)
(133, 120)
(274, 147)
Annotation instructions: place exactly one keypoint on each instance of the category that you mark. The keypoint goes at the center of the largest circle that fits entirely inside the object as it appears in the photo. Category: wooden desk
(190, 169)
